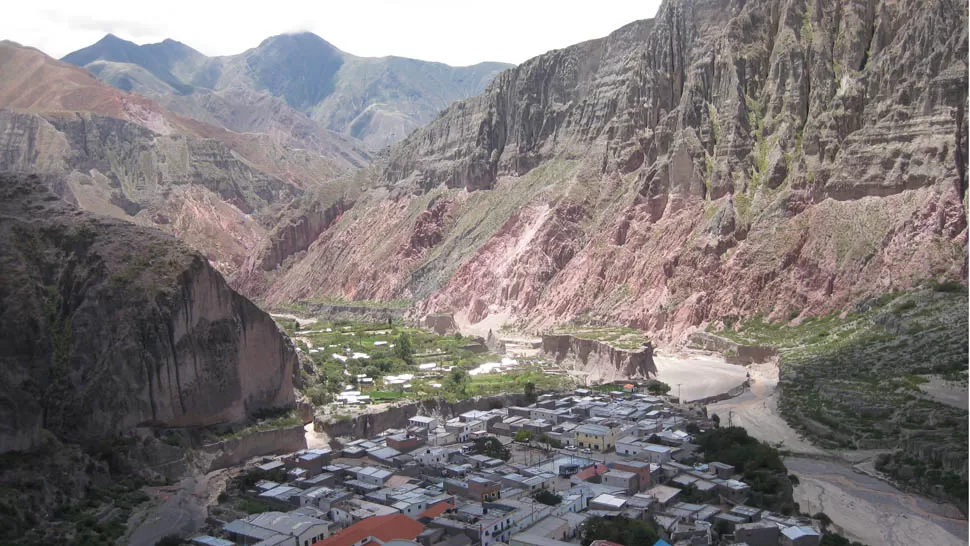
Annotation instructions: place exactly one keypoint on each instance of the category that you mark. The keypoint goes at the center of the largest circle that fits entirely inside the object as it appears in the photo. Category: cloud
(132, 28)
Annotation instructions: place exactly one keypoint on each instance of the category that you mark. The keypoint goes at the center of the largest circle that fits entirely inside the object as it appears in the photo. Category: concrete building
(628, 481)
(800, 536)
(596, 437)
(640, 468)
(759, 533)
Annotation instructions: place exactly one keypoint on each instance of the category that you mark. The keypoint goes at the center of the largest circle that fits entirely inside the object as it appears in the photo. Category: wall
(365, 426)
(235, 451)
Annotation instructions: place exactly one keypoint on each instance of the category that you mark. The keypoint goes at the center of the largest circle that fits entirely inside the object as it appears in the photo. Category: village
(573, 467)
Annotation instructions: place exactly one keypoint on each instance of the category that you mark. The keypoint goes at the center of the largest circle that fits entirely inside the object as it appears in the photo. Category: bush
(621, 530)
(169, 540)
(547, 497)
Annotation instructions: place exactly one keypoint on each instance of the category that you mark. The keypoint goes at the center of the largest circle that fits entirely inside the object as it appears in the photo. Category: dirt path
(861, 507)
(179, 509)
(699, 375)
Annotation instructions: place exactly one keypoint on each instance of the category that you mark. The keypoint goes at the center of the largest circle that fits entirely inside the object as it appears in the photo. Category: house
(665, 495)
(722, 470)
(206, 540)
(377, 529)
(596, 437)
(373, 476)
(759, 533)
(607, 503)
(434, 457)
(628, 481)
(640, 468)
(800, 535)
(529, 539)
(272, 526)
(404, 442)
(423, 422)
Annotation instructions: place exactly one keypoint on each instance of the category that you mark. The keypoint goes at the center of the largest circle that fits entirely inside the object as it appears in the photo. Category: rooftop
(383, 528)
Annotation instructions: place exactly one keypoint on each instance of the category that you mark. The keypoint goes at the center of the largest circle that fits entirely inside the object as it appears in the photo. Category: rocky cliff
(110, 326)
(734, 353)
(782, 159)
(125, 156)
(599, 361)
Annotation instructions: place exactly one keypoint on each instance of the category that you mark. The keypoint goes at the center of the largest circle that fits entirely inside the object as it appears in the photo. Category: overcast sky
(450, 31)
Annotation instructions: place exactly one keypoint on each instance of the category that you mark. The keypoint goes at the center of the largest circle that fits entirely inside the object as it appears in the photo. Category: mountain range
(288, 83)
(720, 161)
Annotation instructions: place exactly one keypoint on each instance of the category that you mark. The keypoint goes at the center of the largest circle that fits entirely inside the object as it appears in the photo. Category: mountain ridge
(719, 161)
(377, 100)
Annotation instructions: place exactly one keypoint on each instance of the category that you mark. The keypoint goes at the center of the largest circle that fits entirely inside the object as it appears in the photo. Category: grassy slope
(853, 381)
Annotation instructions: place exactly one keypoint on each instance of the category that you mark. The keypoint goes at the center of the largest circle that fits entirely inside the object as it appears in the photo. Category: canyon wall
(600, 361)
(764, 158)
(110, 326)
(733, 352)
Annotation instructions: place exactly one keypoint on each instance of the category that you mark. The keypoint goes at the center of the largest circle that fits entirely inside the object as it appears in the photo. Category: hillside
(774, 159)
(292, 83)
(125, 156)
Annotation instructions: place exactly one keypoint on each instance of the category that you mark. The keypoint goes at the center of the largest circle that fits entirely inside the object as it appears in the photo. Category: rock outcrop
(110, 326)
(779, 159)
(599, 361)
(734, 353)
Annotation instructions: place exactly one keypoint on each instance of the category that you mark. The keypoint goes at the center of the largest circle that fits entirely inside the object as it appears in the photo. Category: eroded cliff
(110, 326)
(599, 361)
(726, 159)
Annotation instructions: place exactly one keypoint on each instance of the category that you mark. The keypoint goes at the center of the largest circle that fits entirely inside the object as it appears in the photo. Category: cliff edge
(110, 326)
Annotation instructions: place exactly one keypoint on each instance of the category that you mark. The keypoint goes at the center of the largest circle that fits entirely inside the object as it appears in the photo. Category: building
(596, 437)
(278, 528)
(800, 536)
(422, 422)
(759, 533)
(375, 531)
(628, 481)
(640, 468)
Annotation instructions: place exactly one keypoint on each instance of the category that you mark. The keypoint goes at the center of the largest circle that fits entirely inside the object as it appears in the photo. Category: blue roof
(661, 542)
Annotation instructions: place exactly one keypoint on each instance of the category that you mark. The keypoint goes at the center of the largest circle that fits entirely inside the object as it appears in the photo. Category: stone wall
(234, 451)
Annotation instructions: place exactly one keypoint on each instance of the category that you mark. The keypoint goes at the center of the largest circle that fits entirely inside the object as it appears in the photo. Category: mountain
(288, 80)
(125, 156)
(111, 326)
(722, 161)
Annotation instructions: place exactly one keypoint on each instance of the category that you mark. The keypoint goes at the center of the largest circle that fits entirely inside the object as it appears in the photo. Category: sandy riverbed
(862, 507)
(699, 375)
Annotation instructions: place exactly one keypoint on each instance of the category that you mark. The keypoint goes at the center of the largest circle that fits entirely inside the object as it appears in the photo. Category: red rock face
(769, 159)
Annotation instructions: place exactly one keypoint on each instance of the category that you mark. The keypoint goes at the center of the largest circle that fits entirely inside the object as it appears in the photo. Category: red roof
(383, 528)
(435, 510)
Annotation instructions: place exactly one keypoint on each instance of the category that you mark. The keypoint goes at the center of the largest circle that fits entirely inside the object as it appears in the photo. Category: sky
(450, 31)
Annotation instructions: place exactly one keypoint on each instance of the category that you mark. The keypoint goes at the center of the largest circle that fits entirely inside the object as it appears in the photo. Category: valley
(700, 281)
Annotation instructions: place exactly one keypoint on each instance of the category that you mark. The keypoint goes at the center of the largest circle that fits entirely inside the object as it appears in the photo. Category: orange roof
(435, 510)
(383, 528)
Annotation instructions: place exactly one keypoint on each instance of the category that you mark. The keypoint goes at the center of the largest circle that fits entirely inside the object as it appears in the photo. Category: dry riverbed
(862, 507)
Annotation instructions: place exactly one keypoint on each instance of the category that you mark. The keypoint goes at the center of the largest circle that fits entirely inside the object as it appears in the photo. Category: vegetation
(547, 497)
(657, 387)
(619, 337)
(621, 530)
(530, 392)
(758, 462)
(856, 381)
(491, 447)
(523, 435)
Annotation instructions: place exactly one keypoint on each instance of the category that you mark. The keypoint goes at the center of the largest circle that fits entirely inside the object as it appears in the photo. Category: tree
(169, 540)
(657, 387)
(716, 420)
(551, 442)
(403, 348)
(491, 447)
(523, 435)
(530, 392)
(630, 532)
(547, 497)
(458, 381)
